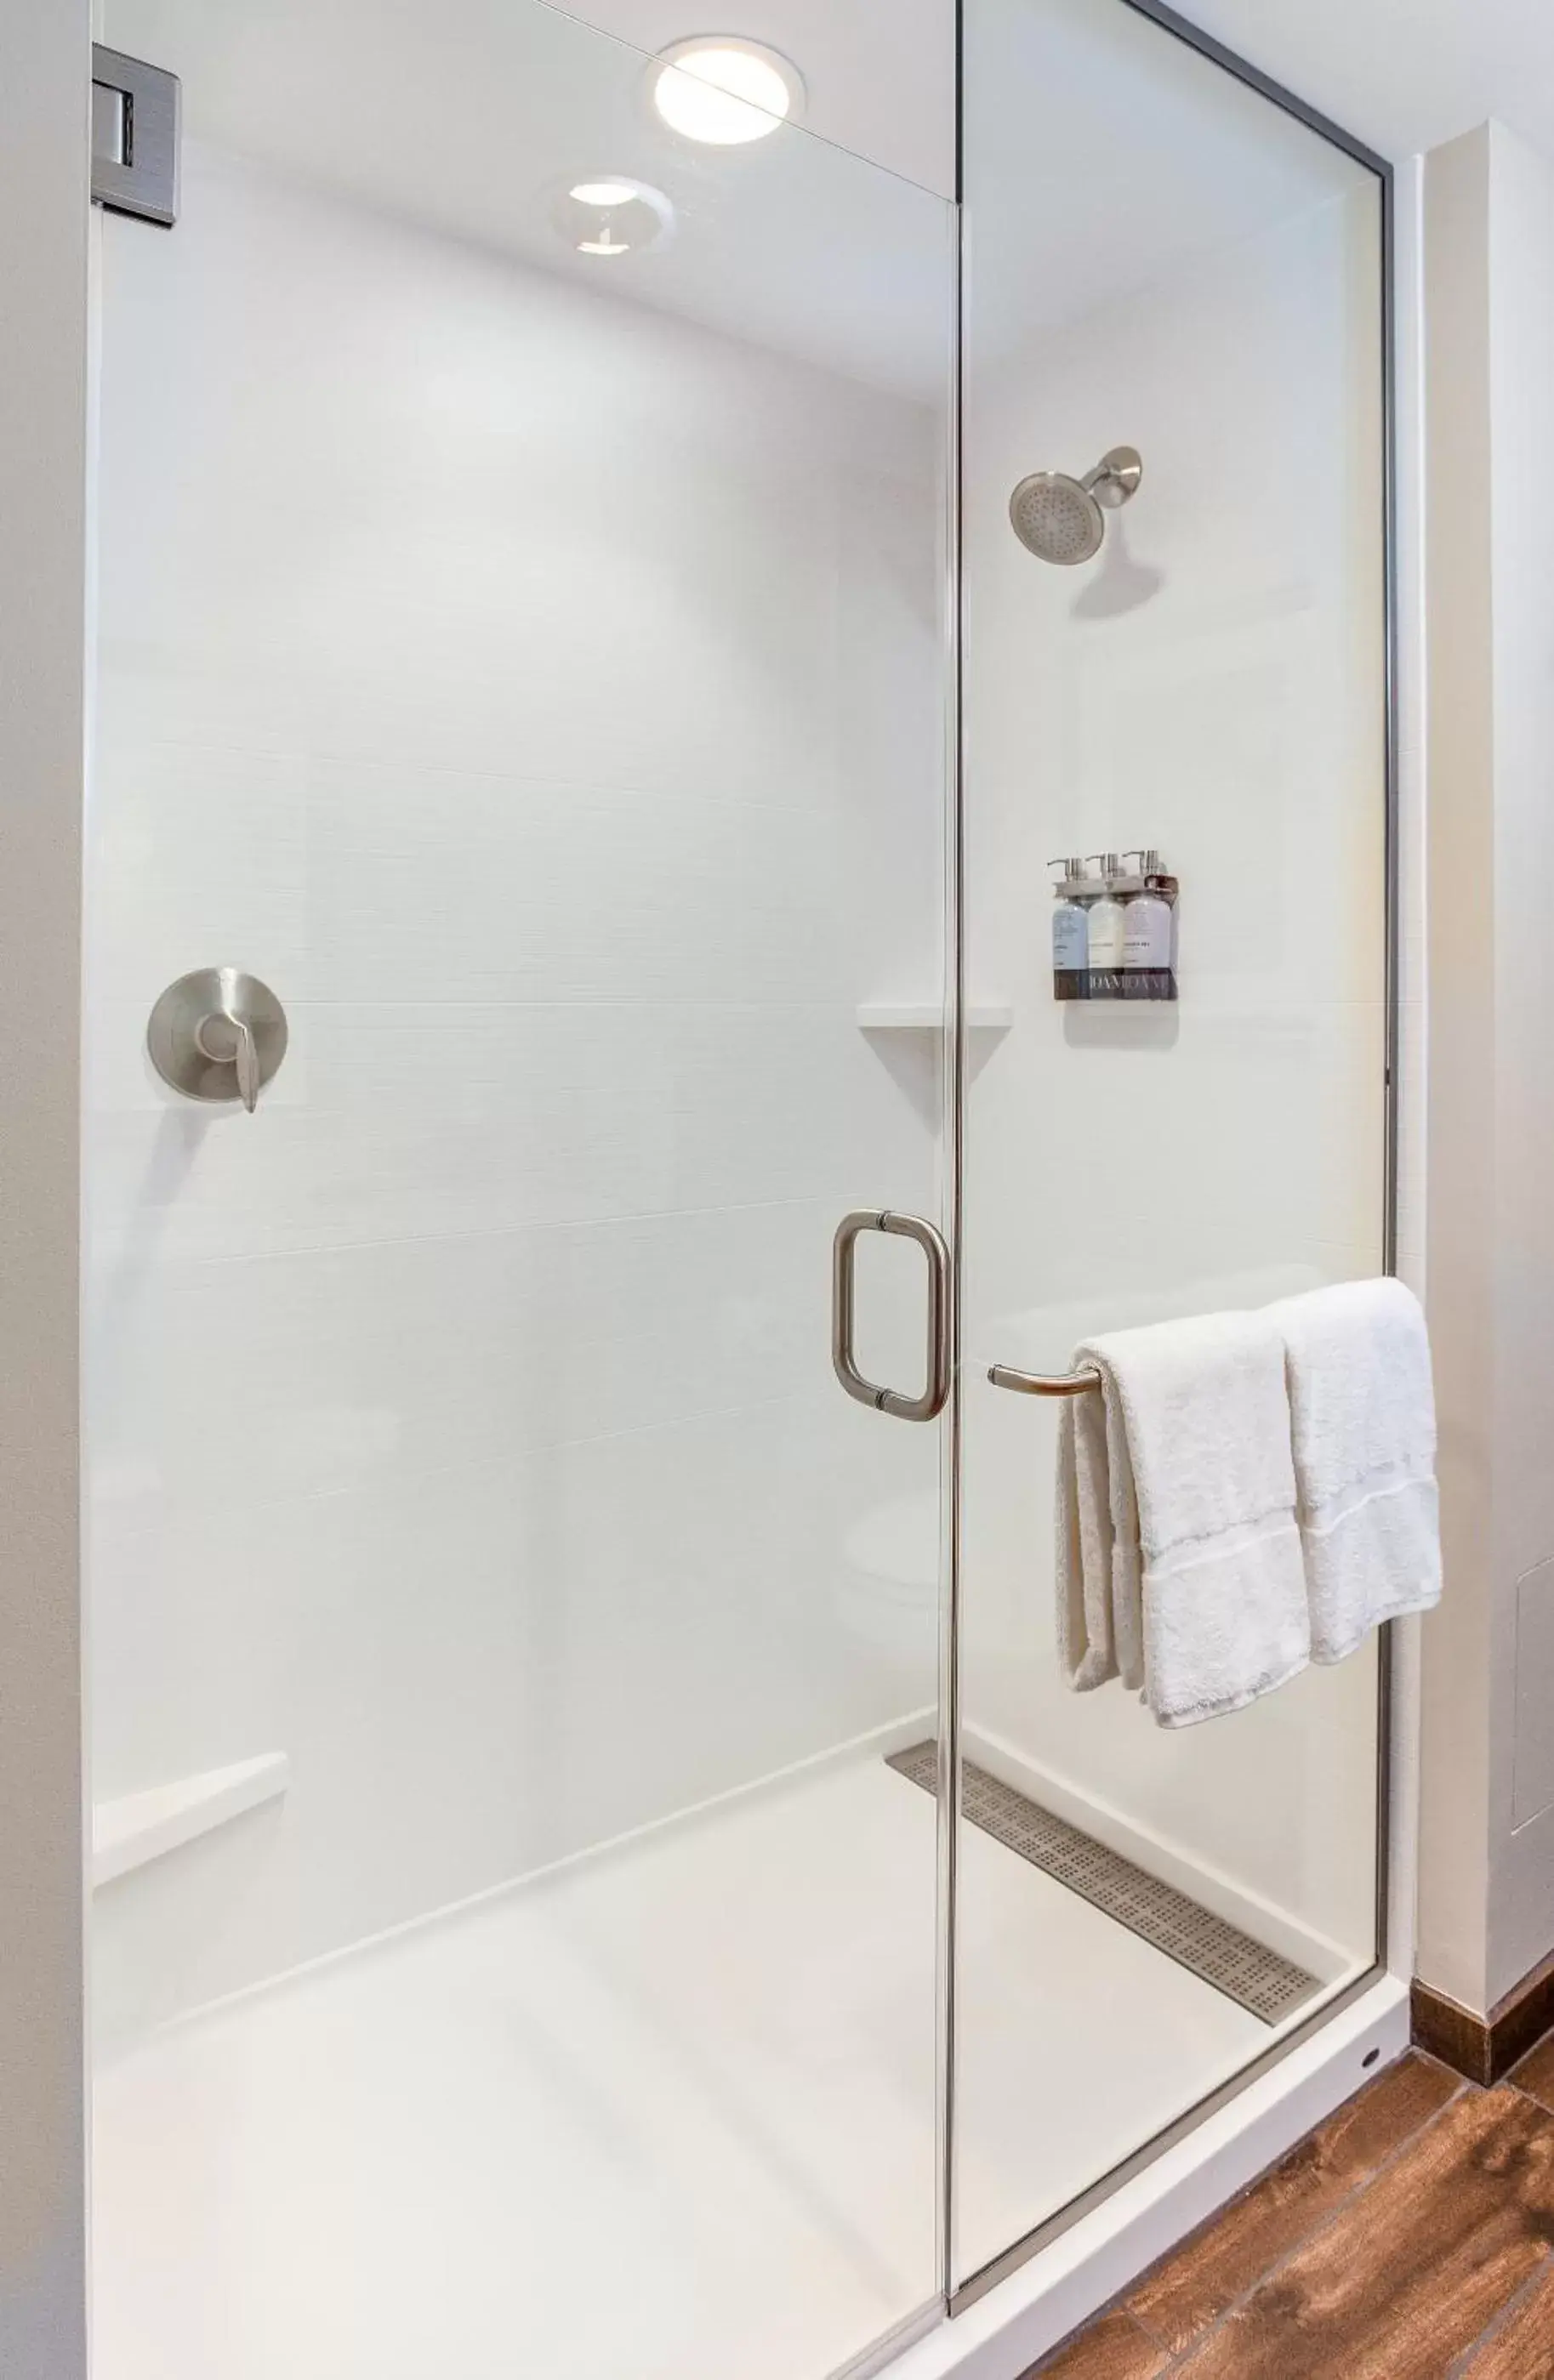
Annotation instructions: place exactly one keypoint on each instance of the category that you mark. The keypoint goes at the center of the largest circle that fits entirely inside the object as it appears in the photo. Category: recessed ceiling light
(603, 194)
(723, 90)
(606, 214)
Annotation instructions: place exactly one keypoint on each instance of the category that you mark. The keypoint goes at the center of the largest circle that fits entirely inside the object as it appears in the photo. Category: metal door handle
(868, 1392)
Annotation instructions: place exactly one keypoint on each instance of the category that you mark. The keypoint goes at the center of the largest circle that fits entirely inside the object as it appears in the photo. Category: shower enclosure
(593, 1844)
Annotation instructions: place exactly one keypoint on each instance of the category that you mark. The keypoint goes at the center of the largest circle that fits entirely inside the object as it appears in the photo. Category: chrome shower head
(1061, 520)
(1057, 517)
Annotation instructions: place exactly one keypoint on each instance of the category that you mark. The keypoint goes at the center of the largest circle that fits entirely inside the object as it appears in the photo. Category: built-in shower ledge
(928, 1015)
(126, 1834)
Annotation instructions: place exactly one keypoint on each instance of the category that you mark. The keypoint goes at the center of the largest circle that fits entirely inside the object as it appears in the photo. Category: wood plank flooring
(1411, 2237)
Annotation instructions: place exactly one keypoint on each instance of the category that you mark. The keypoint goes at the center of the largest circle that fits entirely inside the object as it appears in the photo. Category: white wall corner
(1486, 1898)
(1521, 1921)
(1460, 1009)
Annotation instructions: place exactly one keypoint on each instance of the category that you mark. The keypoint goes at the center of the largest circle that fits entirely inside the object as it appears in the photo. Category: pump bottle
(1071, 932)
(1104, 931)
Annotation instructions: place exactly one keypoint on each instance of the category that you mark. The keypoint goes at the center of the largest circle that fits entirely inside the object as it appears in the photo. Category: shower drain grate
(1263, 1983)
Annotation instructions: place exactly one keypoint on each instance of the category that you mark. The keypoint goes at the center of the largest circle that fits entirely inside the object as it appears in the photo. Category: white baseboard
(1263, 1920)
(1003, 2334)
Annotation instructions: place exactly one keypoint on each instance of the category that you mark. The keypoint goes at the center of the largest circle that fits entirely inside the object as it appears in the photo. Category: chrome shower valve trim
(217, 1035)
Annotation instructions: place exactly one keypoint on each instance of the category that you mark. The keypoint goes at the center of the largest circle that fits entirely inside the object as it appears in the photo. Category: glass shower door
(520, 677)
(1195, 665)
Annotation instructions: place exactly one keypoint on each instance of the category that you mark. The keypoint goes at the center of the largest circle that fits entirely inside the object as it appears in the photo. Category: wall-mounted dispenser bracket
(135, 110)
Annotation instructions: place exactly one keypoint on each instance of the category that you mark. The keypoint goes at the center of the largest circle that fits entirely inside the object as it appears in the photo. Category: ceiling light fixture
(606, 214)
(603, 194)
(720, 89)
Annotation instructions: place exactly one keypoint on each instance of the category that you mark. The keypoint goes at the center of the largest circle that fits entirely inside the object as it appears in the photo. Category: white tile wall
(543, 696)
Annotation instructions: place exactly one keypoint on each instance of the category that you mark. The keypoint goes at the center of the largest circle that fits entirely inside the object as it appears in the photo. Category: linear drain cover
(1263, 1983)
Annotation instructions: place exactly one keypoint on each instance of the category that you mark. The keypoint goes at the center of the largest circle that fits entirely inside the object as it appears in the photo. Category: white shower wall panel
(542, 695)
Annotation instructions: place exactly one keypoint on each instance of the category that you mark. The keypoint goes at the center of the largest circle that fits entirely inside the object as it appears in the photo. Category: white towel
(1362, 1419)
(1086, 1638)
(1178, 1557)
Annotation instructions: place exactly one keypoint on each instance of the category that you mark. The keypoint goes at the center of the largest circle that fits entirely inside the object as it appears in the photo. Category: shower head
(1060, 519)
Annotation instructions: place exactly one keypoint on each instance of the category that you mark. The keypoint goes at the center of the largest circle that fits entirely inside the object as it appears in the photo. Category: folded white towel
(1179, 1558)
(1086, 1638)
(1363, 1420)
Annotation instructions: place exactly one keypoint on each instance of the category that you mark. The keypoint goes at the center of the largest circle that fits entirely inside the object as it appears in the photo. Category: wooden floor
(1409, 2238)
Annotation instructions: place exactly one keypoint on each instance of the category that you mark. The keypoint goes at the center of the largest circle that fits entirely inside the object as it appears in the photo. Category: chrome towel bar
(1044, 1384)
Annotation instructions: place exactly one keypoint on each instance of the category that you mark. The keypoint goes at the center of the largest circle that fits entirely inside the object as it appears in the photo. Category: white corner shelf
(126, 1834)
(928, 1015)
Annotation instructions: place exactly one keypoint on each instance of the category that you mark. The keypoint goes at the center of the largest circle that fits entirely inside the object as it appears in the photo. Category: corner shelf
(928, 1015)
(139, 1827)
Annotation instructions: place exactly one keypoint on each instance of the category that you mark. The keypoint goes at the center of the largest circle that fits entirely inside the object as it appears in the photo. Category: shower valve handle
(229, 1040)
(217, 1035)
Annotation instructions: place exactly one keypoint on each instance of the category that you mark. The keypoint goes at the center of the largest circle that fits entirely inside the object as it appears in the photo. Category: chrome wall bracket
(135, 110)
(1043, 1384)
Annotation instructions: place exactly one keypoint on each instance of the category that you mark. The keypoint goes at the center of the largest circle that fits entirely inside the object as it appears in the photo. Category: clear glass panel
(521, 648)
(1159, 256)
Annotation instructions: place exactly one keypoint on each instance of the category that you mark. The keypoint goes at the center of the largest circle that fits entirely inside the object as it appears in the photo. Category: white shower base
(666, 2114)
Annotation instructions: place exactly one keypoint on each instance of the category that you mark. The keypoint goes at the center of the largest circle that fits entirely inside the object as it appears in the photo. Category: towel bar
(1044, 1384)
